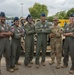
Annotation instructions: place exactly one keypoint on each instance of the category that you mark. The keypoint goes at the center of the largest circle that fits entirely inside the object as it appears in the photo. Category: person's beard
(43, 20)
(2, 22)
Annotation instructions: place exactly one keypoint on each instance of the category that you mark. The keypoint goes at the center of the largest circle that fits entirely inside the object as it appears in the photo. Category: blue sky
(13, 7)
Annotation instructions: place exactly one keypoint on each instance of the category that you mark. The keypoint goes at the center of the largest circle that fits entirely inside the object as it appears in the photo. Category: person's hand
(2, 34)
(7, 33)
(68, 34)
(71, 34)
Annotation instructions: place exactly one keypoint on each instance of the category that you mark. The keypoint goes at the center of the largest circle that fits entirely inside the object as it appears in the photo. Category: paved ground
(47, 70)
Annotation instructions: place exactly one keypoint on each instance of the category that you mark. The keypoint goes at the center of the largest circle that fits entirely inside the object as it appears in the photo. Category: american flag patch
(12, 29)
(2, 28)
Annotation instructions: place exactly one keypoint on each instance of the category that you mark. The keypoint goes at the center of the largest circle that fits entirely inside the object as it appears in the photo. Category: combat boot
(51, 63)
(58, 66)
(37, 66)
(31, 62)
(29, 65)
(18, 63)
(63, 66)
(15, 68)
(10, 70)
(43, 63)
(71, 71)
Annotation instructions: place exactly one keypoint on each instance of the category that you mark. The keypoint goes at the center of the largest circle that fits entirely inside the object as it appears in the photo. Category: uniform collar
(43, 22)
(29, 23)
(15, 26)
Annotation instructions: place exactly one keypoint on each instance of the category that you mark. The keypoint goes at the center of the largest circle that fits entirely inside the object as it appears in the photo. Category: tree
(50, 18)
(70, 12)
(37, 9)
(9, 18)
(61, 14)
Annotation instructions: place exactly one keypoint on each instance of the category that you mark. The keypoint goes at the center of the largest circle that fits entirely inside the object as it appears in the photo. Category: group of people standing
(11, 48)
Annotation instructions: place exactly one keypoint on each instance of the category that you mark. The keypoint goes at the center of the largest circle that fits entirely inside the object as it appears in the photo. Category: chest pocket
(30, 27)
(4, 28)
(53, 30)
(68, 29)
(44, 26)
(41, 26)
(72, 29)
(17, 33)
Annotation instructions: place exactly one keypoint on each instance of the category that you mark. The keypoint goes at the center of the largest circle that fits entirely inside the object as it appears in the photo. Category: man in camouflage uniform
(22, 24)
(42, 30)
(69, 44)
(56, 43)
(29, 41)
(18, 32)
(5, 33)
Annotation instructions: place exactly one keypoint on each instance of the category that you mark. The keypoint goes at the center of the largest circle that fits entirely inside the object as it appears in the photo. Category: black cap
(43, 14)
(29, 16)
(71, 15)
(16, 18)
(2, 14)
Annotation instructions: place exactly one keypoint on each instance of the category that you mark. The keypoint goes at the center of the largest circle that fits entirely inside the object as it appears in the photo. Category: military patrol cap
(43, 14)
(16, 18)
(2, 14)
(29, 16)
(72, 15)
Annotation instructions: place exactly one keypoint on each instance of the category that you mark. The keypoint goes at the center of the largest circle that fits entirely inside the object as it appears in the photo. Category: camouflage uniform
(22, 38)
(69, 46)
(5, 45)
(42, 29)
(56, 43)
(16, 44)
(29, 43)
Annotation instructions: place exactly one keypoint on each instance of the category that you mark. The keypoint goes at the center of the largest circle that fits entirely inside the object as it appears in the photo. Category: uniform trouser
(29, 49)
(41, 44)
(63, 47)
(72, 55)
(6, 50)
(66, 53)
(56, 46)
(15, 53)
(69, 47)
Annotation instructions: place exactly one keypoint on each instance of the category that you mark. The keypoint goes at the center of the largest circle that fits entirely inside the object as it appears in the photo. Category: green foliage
(70, 12)
(64, 14)
(50, 18)
(9, 18)
(37, 9)
(61, 14)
